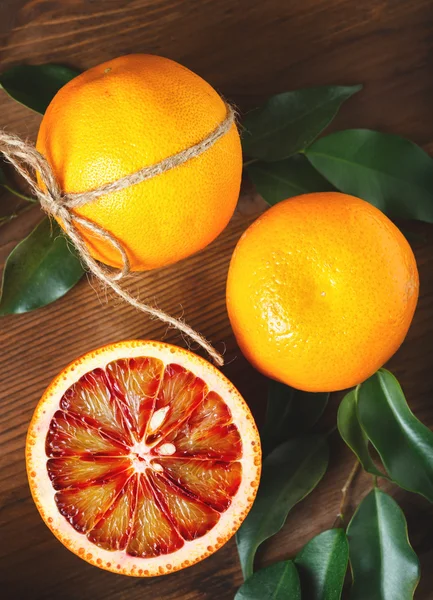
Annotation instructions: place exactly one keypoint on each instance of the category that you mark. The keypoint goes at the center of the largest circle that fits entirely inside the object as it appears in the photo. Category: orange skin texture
(132, 112)
(321, 291)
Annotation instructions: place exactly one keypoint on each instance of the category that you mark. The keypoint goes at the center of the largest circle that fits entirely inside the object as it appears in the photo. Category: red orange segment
(191, 517)
(180, 392)
(84, 506)
(152, 533)
(112, 531)
(70, 436)
(211, 481)
(208, 432)
(135, 382)
(92, 398)
(76, 471)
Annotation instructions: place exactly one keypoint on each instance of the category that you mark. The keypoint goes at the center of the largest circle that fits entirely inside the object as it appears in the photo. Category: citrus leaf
(286, 178)
(277, 582)
(289, 474)
(353, 434)
(404, 444)
(289, 122)
(384, 566)
(39, 270)
(289, 413)
(35, 85)
(322, 565)
(388, 171)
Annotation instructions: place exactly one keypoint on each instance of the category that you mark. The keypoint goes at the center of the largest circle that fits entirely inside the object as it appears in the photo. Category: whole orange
(129, 113)
(321, 291)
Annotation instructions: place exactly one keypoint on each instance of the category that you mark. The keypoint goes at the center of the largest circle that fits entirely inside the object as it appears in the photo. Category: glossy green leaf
(352, 433)
(322, 565)
(286, 178)
(404, 444)
(277, 582)
(289, 474)
(392, 173)
(39, 270)
(289, 413)
(35, 85)
(289, 122)
(384, 566)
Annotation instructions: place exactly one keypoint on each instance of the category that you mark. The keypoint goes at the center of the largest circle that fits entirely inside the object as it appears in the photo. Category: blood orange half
(142, 458)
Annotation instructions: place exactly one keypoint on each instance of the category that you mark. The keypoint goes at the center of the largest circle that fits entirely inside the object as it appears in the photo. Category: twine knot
(28, 161)
(54, 206)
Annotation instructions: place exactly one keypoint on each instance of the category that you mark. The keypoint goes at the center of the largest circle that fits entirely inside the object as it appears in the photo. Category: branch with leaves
(284, 157)
(44, 266)
(383, 564)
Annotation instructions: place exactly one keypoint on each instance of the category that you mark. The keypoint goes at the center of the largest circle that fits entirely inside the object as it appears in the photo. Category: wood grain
(248, 50)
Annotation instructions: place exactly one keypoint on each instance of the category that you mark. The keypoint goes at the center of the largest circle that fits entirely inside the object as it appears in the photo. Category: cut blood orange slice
(142, 458)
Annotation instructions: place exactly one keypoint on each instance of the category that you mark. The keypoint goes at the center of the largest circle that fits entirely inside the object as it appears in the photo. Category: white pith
(142, 459)
(192, 551)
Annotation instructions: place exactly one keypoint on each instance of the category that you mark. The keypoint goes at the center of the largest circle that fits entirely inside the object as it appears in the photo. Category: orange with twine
(140, 162)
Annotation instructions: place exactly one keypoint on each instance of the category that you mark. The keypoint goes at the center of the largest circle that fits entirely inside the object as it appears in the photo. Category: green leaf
(289, 413)
(353, 434)
(384, 566)
(289, 122)
(388, 171)
(290, 177)
(322, 565)
(404, 444)
(35, 85)
(277, 582)
(289, 474)
(39, 270)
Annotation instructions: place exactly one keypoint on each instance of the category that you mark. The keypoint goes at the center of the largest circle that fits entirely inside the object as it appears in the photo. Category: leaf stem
(345, 491)
(8, 218)
(250, 162)
(331, 431)
(18, 194)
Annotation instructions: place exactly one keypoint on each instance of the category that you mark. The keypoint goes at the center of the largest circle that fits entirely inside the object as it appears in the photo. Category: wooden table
(248, 49)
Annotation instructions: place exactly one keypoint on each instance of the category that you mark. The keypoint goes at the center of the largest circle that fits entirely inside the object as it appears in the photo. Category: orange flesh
(143, 457)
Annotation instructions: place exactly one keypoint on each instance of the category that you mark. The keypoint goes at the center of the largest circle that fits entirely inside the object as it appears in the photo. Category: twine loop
(28, 161)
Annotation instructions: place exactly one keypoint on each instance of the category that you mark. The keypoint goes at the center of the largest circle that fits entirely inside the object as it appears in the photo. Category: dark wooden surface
(248, 49)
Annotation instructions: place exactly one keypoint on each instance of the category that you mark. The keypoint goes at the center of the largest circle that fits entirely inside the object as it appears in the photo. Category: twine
(28, 161)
